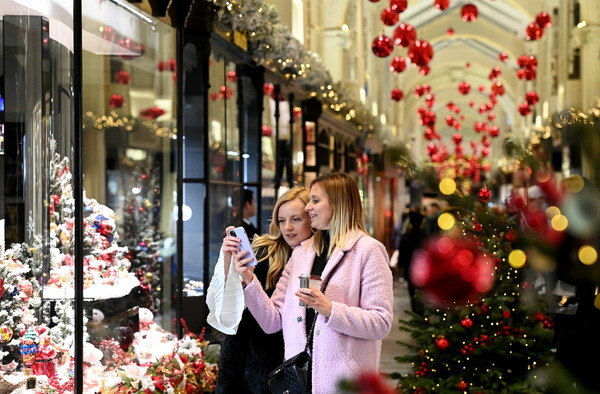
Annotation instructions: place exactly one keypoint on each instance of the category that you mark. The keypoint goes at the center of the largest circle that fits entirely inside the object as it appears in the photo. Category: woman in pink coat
(355, 308)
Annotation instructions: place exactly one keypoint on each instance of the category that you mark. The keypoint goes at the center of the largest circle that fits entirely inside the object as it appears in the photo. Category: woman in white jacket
(248, 355)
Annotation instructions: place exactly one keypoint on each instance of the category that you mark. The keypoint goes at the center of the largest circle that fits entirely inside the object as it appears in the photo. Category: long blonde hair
(343, 196)
(278, 251)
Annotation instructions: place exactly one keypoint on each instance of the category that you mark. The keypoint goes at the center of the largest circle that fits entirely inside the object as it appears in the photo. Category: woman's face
(294, 223)
(319, 209)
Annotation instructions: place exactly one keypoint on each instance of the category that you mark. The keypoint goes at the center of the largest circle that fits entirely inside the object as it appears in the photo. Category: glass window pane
(193, 238)
(216, 119)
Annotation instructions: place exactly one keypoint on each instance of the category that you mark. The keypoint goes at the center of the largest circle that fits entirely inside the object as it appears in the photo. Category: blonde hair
(278, 251)
(342, 193)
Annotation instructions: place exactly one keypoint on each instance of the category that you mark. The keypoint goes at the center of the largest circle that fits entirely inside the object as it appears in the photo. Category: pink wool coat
(349, 341)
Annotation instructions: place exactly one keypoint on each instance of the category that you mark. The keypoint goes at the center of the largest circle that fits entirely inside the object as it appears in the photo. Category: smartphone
(240, 233)
(304, 282)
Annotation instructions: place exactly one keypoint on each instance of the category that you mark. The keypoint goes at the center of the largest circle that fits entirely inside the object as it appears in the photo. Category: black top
(317, 269)
(251, 230)
(250, 355)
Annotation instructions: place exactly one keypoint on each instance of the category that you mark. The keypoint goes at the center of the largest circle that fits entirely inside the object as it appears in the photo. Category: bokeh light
(447, 186)
(446, 221)
(574, 184)
(587, 255)
(559, 222)
(552, 211)
(517, 258)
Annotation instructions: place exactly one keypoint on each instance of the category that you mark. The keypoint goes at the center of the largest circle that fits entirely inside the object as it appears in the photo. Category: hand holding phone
(240, 233)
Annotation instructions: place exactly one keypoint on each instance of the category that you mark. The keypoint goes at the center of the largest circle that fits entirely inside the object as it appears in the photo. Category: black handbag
(291, 377)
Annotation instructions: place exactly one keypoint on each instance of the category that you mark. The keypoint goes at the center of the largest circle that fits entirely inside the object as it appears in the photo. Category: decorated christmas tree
(142, 238)
(484, 326)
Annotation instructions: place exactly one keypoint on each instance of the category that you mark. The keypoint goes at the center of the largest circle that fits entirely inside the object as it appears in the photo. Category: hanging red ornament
(428, 118)
(426, 88)
(491, 116)
(420, 52)
(469, 13)
(429, 134)
(442, 343)
(458, 150)
(466, 322)
(498, 88)
(225, 92)
(524, 109)
(382, 46)
(374, 1)
(266, 131)
(451, 270)
(399, 6)
(484, 194)
(462, 385)
(494, 131)
(389, 17)
(533, 31)
(481, 88)
(232, 76)
(449, 120)
(122, 77)
(404, 35)
(543, 20)
(532, 97)
(457, 138)
(424, 70)
(495, 73)
(450, 32)
(464, 87)
(397, 94)
(441, 4)
(467, 65)
(152, 112)
(511, 235)
(419, 91)
(485, 152)
(398, 64)
(482, 109)
(471, 104)
(268, 89)
(430, 100)
(503, 56)
(214, 96)
(485, 141)
(116, 101)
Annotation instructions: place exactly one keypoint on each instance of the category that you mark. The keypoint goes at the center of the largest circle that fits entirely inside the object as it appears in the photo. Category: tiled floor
(390, 349)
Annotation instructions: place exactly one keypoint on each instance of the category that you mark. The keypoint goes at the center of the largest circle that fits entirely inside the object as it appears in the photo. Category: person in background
(248, 355)
(351, 289)
(249, 210)
(411, 240)
(430, 226)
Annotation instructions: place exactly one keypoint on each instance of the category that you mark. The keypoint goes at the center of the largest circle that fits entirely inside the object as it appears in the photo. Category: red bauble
(108, 33)
(543, 20)
(464, 87)
(266, 131)
(533, 31)
(389, 17)
(429, 134)
(428, 118)
(450, 32)
(420, 52)
(449, 120)
(441, 4)
(404, 35)
(122, 77)
(268, 89)
(532, 97)
(382, 46)
(495, 73)
(481, 88)
(398, 64)
(152, 112)
(397, 94)
(524, 109)
(424, 70)
(466, 322)
(451, 270)
(457, 138)
(442, 343)
(398, 5)
(462, 385)
(116, 101)
(225, 92)
(494, 131)
(484, 194)
(232, 76)
(498, 88)
(469, 13)
(503, 56)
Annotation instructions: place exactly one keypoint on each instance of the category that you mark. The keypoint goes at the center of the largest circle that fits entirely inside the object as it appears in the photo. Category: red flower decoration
(152, 112)
(116, 101)
(404, 35)
(469, 13)
(420, 52)
(382, 46)
(122, 77)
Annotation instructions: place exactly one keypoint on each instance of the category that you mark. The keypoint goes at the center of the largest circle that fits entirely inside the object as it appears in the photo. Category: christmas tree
(484, 327)
(142, 238)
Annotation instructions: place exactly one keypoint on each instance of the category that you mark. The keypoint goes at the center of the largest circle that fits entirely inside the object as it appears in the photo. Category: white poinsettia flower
(135, 372)
(147, 383)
